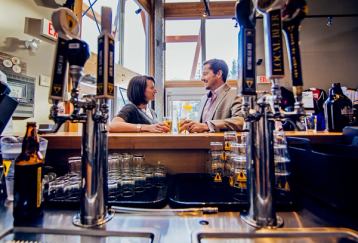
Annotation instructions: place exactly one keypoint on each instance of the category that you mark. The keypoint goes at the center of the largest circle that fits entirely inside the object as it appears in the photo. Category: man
(220, 108)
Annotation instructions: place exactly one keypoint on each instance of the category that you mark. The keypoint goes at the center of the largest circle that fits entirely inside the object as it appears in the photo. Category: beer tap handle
(293, 13)
(247, 57)
(105, 59)
(271, 11)
(77, 53)
(274, 60)
(66, 25)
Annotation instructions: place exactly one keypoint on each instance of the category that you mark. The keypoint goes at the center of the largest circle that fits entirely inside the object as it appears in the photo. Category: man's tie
(209, 106)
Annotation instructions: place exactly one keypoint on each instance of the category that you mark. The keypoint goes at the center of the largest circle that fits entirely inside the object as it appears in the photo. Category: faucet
(259, 115)
(90, 110)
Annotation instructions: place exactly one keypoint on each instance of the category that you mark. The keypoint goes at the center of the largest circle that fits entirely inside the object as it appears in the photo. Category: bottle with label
(28, 179)
(337, 109)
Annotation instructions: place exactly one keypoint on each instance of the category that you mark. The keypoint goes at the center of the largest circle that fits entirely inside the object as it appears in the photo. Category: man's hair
(136, 89)
(218, 64)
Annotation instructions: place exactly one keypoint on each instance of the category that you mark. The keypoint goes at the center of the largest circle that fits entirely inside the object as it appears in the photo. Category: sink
(34, 234)
(286, 235)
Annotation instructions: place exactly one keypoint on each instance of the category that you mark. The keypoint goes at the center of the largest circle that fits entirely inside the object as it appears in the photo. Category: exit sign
(48, 30)
(262, 79)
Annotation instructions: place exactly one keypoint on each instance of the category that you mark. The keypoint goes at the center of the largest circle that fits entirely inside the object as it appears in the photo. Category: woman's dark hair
(136, 89)
(216, 65)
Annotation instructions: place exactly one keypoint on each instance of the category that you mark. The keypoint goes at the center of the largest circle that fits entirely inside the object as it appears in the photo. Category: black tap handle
(77, 52)
(292, 15)
(243, 11)
(246, 55)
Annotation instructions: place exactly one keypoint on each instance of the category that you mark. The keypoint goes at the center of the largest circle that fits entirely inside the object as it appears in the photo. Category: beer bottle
(28, 178)
(338, 109)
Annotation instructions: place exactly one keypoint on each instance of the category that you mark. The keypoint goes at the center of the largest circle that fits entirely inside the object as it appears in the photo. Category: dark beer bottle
(338, 109)
(28, 178)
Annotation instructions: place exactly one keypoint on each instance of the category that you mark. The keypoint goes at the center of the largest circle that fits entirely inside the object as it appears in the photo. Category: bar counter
(180, 153)
(68, 140)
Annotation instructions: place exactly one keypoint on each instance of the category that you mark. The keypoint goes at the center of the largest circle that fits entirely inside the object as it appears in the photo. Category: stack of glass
(128, 175)
(282, 162)
(236, 164)
(228, 163)
(216, 161)
(2, 182)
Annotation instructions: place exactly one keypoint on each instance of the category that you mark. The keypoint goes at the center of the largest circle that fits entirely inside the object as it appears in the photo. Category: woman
(137, 116)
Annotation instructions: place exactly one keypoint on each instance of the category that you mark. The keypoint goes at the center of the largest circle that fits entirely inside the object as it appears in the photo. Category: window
(91, 28)
(90, 33)
(177, 98)
(183, 49)
(135, 40)
(120, 100)
(222, 43)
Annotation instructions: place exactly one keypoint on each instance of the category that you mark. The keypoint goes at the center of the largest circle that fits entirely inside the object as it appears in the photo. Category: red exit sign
(48, 30)
(262, 79)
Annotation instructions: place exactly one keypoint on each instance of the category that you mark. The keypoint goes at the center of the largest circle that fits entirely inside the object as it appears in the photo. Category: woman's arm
(118, 124)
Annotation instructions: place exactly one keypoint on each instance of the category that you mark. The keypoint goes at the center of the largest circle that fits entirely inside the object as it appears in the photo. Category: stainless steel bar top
(175, 228)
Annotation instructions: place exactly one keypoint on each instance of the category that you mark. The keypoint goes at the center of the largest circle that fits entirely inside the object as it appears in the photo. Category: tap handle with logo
(247, 44)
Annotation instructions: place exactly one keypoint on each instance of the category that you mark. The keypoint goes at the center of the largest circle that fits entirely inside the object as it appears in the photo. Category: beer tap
(293, 13)
(66, 25)
(246, 62)
(260, 120)
(90, 110)
(271, 11)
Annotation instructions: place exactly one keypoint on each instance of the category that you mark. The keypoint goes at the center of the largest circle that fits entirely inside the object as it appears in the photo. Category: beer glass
(168, 122)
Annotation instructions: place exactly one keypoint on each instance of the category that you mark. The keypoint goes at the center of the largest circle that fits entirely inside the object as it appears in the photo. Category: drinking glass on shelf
(217, 158)
(160, 174)
(71, 189)
(138, 162)
(139, 181)
(127, 186)
(282, 161)
(229, 137)
(238, 149)
(74, 164)
(126, 163)
(243, 137)
(112, 189)
(240, 173)
(149, 176)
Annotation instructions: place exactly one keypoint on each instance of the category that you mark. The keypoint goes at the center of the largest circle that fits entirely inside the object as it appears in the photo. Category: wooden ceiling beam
(181, 38)
(195, 10)
(146, 5)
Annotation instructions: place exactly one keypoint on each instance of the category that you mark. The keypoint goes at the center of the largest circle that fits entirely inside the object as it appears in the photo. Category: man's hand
(192, 126)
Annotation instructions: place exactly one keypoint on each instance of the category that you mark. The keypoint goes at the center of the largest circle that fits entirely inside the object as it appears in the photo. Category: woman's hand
(158, 128)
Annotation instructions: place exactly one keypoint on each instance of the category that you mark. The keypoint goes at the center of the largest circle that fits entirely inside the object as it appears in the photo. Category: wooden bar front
(179, 152)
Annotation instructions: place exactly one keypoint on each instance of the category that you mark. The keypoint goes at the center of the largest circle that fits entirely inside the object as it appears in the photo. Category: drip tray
(288, 235)
(33, 234)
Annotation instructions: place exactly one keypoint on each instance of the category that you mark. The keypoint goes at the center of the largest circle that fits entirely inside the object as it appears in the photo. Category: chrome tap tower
(258, 115)
(90, 110)
(261, 113)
